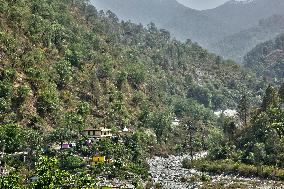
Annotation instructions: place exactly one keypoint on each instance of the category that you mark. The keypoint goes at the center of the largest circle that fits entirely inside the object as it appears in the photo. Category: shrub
(47, 102)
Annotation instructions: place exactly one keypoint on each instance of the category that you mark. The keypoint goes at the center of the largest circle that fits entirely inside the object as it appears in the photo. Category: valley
(101, 99)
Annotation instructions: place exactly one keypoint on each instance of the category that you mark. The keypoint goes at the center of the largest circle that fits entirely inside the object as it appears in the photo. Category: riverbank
(233, 168)
(170, 174)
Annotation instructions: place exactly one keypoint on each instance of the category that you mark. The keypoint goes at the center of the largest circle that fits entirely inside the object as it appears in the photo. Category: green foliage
(244, 109)
(62, 134)
(47, 102)
(161, 123)
(5, 89)
(64, 70)
(65, 61)
(105, 69)
(5, 105)
(33, 58)
(10, 181)
(281, 93)
(12, 137)
(67, 67)
(70, 162)
(270, 100)
(85, 182)
(49, 175)
(136, 75)
(84, 109)
(266, 59)
(228, 166)
(259, 142)
(201, 94)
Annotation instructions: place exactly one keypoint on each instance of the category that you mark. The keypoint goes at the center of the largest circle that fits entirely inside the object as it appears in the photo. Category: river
(171, 175)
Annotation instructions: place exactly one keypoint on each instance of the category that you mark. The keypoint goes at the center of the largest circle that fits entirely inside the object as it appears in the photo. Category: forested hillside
(183, 22)
(242, 15)
(66, 58)
(236, 46)
(230, 30)
(253, 148)
(267, 59)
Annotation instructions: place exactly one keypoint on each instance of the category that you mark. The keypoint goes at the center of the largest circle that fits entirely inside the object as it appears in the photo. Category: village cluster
(91, 135)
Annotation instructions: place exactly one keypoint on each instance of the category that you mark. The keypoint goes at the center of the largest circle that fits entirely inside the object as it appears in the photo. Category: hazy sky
(202, 4)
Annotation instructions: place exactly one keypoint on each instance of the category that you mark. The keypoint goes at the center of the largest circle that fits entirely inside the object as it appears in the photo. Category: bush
(47, 102)
(6, 89)
(5, 105)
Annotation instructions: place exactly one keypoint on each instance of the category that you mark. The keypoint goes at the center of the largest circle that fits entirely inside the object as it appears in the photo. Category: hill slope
(227, 30)
(65, 64)
(237, 45)
(267, 59)
(242, 15)
(184, 23)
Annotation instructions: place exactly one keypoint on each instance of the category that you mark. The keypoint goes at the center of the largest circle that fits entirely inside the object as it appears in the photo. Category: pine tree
(244, 109)
(270, 99)
(281, 93)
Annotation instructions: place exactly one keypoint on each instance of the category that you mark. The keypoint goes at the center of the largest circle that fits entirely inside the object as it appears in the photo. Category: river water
(170, 174)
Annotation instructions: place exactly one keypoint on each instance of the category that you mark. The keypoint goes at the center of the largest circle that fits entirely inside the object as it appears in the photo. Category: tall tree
(270, 98)
(244, 109)
(281, 93)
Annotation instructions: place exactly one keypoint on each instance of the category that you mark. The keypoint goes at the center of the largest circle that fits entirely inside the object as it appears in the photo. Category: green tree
(11, 181)
(244, 109)
(13, 137)
(270, 99)
(64, 70)
(49, 175)
(161, 122)
(281, 93)
(47, 102)
(84, 181)
(62, 134)
(259, 154)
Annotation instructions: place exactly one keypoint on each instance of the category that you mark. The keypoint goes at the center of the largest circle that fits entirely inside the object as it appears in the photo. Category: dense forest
(65, 67)
(255, 145)
(62, 60)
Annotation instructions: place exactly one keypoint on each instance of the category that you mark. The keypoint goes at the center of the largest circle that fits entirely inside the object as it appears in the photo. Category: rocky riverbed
(170, 174)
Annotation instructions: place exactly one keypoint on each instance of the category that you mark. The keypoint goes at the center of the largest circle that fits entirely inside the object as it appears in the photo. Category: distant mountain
(184, 23)
(237, 45)
(267, 59)
(218, 30)
(242, 15)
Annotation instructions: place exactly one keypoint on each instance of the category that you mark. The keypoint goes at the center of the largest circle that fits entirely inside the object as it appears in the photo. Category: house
(97, 159)
(175, 122)
(65, 146)
(101, 132)
(125, 132)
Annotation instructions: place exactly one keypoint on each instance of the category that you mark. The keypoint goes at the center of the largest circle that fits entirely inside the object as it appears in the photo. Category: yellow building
(96, 159)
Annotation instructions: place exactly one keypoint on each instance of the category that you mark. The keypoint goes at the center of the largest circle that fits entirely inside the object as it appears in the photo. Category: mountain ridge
(206, 27)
